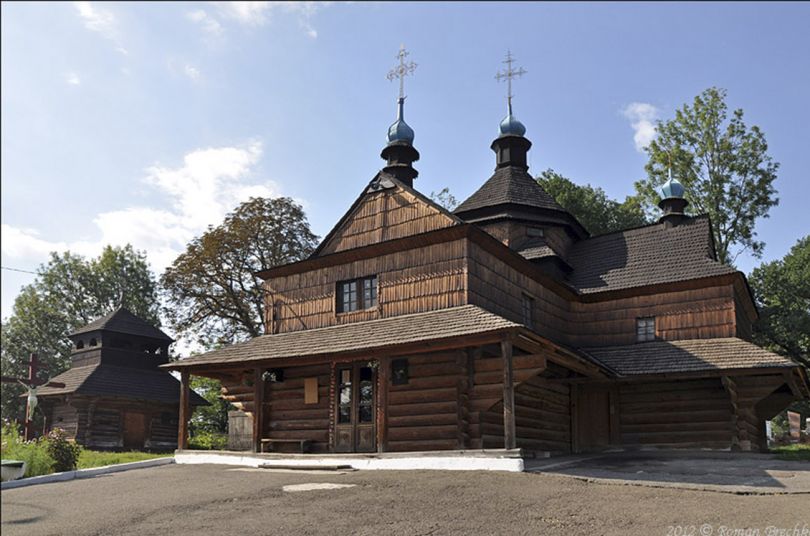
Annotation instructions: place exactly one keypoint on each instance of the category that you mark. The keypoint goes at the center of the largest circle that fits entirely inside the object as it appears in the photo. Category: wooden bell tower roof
(123, 321)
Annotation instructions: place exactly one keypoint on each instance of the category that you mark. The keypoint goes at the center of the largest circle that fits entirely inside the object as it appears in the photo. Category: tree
(724, 166)
(591, 206)
(212, 418)
(782, 292)
(444, 198)
(211, 294)
(68, 293)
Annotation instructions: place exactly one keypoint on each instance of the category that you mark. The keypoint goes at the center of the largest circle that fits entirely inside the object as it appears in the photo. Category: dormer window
(356, 295)
(93, 342)
(79, 344)
(645, 329)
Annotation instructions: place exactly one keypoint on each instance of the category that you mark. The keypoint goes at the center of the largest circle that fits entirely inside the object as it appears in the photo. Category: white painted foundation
(473, 461)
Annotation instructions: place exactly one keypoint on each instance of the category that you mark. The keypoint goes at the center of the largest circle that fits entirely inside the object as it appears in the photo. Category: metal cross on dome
(508, 74)
(402, 70)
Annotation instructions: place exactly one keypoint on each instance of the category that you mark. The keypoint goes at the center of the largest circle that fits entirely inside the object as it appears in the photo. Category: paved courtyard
(213, 499)
(715, 471)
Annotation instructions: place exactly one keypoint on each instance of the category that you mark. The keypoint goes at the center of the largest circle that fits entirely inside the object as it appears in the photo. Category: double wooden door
(355, 408)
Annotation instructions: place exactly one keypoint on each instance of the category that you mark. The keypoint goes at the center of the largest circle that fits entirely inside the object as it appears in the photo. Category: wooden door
(134, 430)
(593, 419)
(355, 429)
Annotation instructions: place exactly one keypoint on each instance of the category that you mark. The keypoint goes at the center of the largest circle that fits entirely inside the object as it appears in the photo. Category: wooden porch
(489, 390)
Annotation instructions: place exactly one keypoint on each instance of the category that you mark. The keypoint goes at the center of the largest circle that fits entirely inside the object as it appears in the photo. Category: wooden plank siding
(688, 314)
(385, 215)
(411, 281)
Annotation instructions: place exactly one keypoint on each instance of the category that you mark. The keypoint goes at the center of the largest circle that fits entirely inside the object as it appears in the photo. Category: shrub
(65, 453)
(34, 453)
(204, 440)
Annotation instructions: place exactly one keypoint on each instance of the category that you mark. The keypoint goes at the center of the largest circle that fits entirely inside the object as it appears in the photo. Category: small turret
(672, 202)
(400, 154)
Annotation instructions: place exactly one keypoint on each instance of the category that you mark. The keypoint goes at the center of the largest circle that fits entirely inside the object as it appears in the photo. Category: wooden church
(502, 324)
(114, 394)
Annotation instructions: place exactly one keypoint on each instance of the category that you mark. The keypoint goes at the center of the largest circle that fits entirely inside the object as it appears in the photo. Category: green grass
(95, 458)
(798, 451)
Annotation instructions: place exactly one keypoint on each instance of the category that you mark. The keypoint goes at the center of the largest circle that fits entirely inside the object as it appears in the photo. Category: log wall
(411, 281)
(99, 422)
(286, 416)
(675, 414)
(425, 414)
(386, 215)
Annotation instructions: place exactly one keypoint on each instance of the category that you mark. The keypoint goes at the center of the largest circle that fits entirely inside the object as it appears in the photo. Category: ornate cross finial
(402, 70)
(508, 74)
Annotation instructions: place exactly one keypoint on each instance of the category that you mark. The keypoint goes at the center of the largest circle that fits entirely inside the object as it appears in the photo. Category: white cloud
(73, 79)
(192, 72)
(208, 23)
(100, 20)
(642, 116)
(210, 183)
(259, 13)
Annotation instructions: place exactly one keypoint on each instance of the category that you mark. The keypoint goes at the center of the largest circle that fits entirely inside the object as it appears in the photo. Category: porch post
(182, 425)
(258, 408)
(509, 440)
(384, 373)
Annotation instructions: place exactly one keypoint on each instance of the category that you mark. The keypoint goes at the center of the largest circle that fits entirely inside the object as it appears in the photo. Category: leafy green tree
(212, 296)
(724, 166)
(444, 198)
(782, 291)
(591, 206)
(213, 418)
(69, 292)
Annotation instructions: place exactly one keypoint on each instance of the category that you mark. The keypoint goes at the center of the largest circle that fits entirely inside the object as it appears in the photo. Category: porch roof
(424, 327)
(697, 355)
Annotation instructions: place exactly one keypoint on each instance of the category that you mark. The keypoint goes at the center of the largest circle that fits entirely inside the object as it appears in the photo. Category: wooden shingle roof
(509, 186)
(660, 357)
(369, 335)
(123, 321)
(649, 255)
(120, 382)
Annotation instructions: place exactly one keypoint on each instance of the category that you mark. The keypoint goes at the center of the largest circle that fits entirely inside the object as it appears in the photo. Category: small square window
(645, 329)
(399, 372)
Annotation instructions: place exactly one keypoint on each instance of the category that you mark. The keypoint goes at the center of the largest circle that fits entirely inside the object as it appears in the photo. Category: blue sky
(144, 123)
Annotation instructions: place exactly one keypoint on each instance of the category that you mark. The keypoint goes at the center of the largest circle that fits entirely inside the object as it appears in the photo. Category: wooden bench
(303, 444)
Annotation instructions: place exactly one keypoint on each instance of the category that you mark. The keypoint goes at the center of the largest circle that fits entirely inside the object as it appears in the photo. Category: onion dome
(511, 126)
(400, 131)
(673, 203)
(672, 189)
